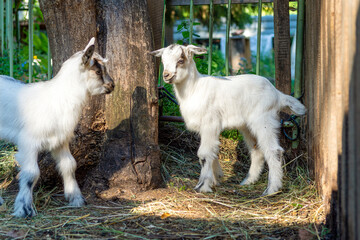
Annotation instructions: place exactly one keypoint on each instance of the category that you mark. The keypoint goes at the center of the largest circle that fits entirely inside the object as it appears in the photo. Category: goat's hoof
(24, 211)
(77, 201)
(246, 181)
(269, 191)
(203, 188)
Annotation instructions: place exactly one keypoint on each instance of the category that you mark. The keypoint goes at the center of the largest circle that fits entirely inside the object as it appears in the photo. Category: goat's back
(9, 111)
(234, 100)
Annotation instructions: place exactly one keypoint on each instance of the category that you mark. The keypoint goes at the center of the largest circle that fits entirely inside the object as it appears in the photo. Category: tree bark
(116, 142)
(282, 46)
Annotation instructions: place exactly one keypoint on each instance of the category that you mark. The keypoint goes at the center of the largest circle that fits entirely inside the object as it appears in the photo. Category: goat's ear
(157, 53)
(196, 50)
(88, 51)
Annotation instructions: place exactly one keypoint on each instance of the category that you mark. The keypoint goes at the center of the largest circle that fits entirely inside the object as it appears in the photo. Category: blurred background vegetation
(21, 44)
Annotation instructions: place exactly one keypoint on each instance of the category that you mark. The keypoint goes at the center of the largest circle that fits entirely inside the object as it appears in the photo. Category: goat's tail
(293, 104)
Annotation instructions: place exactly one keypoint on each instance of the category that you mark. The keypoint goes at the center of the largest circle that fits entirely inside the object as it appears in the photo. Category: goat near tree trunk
(116, 143)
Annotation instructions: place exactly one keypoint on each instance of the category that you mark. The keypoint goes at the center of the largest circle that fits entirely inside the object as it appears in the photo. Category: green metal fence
(229, 3)
(7, 35)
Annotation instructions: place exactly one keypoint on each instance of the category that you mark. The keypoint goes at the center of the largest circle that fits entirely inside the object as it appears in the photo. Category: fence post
(9, 33)
(211, 26)
(228, 22)
(258, 40)
(191, 21)
(282, 46)
(160, 80)
(31, 40)
(2, 33)
(298, 59)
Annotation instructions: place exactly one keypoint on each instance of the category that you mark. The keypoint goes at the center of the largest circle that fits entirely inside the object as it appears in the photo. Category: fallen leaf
(165, 215)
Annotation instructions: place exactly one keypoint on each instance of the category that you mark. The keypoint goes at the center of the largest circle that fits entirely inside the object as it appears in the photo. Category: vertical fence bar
(211, 28)
(160, 80)
(31, 40)
(191, 21)
(258, 39)
(9, 34)
(49, 61)
(17, 27)
(227, 47)
(298, 59)
(2, 32)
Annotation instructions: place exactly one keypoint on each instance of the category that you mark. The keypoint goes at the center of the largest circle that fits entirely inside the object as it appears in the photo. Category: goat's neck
(70, 88)
(188, 86)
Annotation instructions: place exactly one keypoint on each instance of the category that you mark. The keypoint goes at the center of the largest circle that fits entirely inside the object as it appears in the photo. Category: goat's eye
(98, 72)
(181, 61)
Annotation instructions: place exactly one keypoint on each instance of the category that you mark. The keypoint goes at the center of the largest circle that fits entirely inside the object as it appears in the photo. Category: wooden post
(282, 46)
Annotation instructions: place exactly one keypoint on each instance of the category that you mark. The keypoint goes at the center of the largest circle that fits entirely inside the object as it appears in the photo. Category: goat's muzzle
(109, 85)
(168, 77)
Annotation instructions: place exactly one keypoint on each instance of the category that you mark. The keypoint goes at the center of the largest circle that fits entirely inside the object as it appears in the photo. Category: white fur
(210, 104)
(43, 116)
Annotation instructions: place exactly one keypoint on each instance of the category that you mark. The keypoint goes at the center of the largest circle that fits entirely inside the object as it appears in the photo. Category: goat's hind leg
(256, 156)
(66, 165)
(267, 135)
(217, 171)
(29, 174)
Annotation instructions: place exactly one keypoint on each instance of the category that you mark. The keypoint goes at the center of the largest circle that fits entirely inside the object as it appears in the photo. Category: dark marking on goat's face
(182, 60)
(100, 81)
(175, 63)
(171, 47)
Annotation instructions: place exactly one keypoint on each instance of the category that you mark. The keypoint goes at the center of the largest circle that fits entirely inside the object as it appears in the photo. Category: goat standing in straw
(43, 116)
(211, 104)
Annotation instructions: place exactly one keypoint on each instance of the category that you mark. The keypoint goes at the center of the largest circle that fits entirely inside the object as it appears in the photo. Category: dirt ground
(176, 211)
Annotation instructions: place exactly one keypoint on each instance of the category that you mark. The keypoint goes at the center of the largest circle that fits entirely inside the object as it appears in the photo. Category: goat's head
(98, 80)
(177, 61)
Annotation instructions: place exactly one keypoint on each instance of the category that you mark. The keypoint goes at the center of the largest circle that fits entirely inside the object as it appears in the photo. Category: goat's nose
(109, 84)
(166, 74)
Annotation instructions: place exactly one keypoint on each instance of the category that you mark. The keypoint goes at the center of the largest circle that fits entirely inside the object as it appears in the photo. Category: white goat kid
(210, 104)
(43, 116)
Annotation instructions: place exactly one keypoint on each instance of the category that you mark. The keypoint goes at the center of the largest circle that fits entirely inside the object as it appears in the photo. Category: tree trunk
(116, 142)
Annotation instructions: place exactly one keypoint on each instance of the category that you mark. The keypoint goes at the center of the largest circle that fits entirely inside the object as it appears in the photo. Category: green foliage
(21, 52)
(168, 107)
(40, 62)
(232, 134)
(184, 29)
(240, 13)
(267, 65)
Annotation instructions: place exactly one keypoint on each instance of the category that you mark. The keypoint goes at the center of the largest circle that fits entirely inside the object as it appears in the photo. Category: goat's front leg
(66, 165)
(29, 174)
(211, 171)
